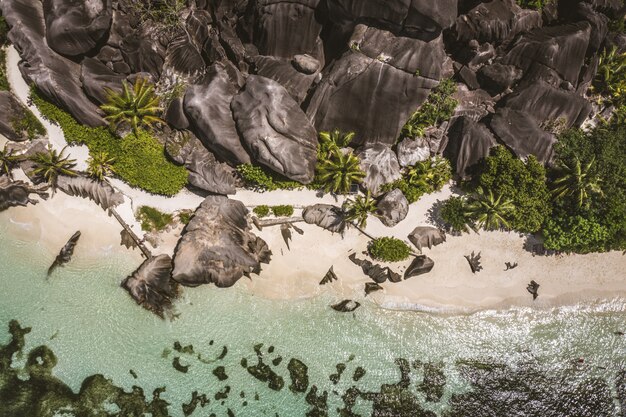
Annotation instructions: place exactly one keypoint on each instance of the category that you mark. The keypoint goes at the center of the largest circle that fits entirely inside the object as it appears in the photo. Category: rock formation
(326, 216)
(429, 236)
(392, 208)
(102, 193)
(11, 112)
(17, 193)
(65, 255)
(422, 264)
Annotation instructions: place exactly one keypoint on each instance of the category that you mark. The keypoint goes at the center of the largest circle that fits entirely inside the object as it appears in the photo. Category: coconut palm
(577, 180)
(611, 69)
(489, 211)
(8, 160)
(432, 173)
(330, 141)
(100, 164)
(359, 209)
(339, 171)
(137, 106)
(49, 165)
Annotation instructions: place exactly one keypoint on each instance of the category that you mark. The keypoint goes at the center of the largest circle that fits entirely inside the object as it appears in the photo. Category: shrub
(262, 211)
(389, 249)
(137, 106)
(534, 4)
(438, 108)
(282, 211)
(29, 124)
(575, 234)
(454, 213)
(152, 220)
(140, 159)
(423, 178)
(185, 216)
(263, 179)
(4, 82)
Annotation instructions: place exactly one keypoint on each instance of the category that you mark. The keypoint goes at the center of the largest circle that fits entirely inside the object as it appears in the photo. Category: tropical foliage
(455, 214)
(389, 249)
(423, 178)
(339, 171)
(51, 164)
(261, 211)
(28, 125)
(153, 220)
(534, 4)
(575, 234)
(4, 82)
(8, 161)
(100, 165)
(438, 108)
(357, 210)
(284, 210)
(262, 179)
(489, 211)
(332, 141)
(137, 106)
(577, 181)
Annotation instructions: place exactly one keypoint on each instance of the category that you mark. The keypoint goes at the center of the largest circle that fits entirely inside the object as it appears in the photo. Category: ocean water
(564, 361)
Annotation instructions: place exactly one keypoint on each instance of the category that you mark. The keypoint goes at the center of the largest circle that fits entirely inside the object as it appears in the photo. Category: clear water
(93, 326)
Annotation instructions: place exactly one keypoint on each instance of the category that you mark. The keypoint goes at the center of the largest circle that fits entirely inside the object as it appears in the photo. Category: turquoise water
(93, 327)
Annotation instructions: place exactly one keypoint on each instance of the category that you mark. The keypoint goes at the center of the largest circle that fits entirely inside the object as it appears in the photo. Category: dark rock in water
(65, 255)
(346, 306)
(275, 130)
(318, 403)
(76, 27)
(429, 236)
(520, 132)
(196, 400)
(468, 142)
(205, 172)
(264, 372)
(57, 77)
(411, 151)
(298, 372)
(380, 165)
(422, 264)
(392, 208)
(220, 373)
(97, 78)
(207, 106)
(11, 113)
(133, 373)
(183, 349)
(217, 246)
(222, 395)
(151, 285)
(474, 262)
(306, 64)
(532, 288)
(326, 216)
(277, 361)
(102, 193)
(178, 366)
(329, 277)
(370, 287)
(376, 272)
(434, 382)
(359, 373)
(341, 367)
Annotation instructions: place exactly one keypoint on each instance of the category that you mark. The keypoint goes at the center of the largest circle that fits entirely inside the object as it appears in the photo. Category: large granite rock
(411, 151)
(17, 193)
(468, 142)
(75, 27)
(96, 77)
(422, 264)
(185, 53)
(296, 80)
(429, 236)
(57, 77)
(392, 208)
(380, 165)
(11, 111)
(207, 106)
(375, 86)
(205, 172)
(102, 193)
(326, 216)
(151, 285)
(275, 130)
(217, 246)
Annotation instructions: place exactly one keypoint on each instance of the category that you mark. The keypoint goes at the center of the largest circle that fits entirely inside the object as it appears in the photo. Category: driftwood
(329, 277)
(260, 224)
(131, 234)
(474, 262)
(65, 255)
(509, 265)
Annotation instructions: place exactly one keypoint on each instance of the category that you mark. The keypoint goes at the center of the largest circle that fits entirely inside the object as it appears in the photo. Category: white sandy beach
(295, 273)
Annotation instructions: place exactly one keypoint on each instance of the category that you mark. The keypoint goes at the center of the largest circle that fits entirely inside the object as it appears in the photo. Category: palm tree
(331, 141)
(576, 180)
(432, 173)
(137, 106)
(49, 165)
(8, 161)
(611, 68)
(340, 171)
(489, 211)
(100, 164)
(359, 209)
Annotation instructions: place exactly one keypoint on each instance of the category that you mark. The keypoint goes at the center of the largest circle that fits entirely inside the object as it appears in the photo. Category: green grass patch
(389, 249)
(260, 178)
(4, 82)
(152, 220)
(185, 216)
(29, 124)
(261, 211)
(140, 159)
(283, 211)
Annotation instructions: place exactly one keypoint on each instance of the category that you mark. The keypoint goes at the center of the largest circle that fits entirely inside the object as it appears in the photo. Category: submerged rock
(346, 306)
(217, 246)
(65, 255)
(298, 372)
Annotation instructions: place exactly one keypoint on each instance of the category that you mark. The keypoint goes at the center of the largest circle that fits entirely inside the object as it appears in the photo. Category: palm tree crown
(137, 106)
(100, 164)
(49, 165)
(359, 209)
(332, 141)
(340, 171)
(7, 161)
(576, 180)
(489, 211)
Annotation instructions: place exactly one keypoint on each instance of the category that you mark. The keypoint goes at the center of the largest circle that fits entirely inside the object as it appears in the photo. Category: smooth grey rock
(326, 216)
(185, 52)
(392, 208)
(411, 151)
(66, 252)
(102, 193)
(275, 130)
(97, 77)
(143, 52)
(283, 71)
(57, 77)
(380, 165)
(217, 246)
(151, 285)
(17, 193)
(11, 111)
(422, 264)
(496, 77)
(207, 106)
(377, 273)
(429, 236)
(306, 64)
(346, 306)
(468, 142)
(76, 27)
(175, 114)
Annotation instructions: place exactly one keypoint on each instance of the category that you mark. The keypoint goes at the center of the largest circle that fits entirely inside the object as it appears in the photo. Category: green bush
(454, 213)
(575, 234)
(438, 108)
(534, 4)
(4, 82)
(263, 179)
(152, 220)
(140, 159)
(262, 211)
(423, 178)
(282, 211)
(185, 216)
(28, 123)
(389, 249)
(4, 29)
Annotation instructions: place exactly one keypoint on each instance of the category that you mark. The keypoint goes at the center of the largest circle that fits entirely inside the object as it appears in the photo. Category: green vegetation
(490, 211)
(8, 161)
(140, 159)
(389, 249)
(4, 29)
(358, 209)
(4, 82)
(152, 220)
(332, 141)
(423, 178)
(185, 216)
(455, 214)
(28, 124)
(339, 171)
(534, 4)
(282, 210)
(263, 179)
(574, 179)
(261, 211)
(137, 107)
(100, 164)
(165, 13)
(49, 165)
(575, 234)
(438, 108)
(610, 81)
